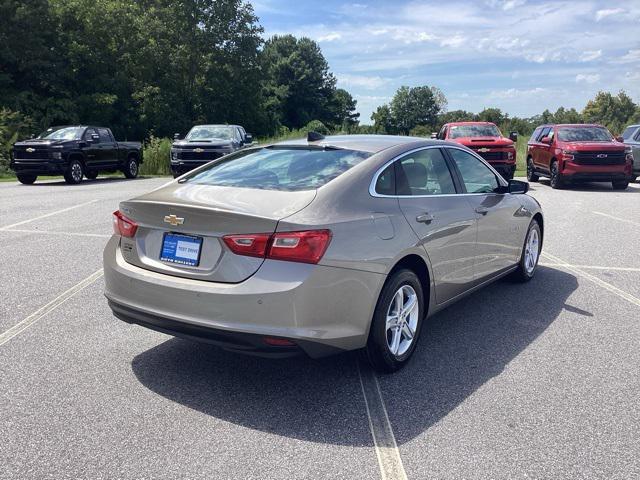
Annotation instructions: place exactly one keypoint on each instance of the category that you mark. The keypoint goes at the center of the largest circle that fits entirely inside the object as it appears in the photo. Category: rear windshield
(584, 134)
(278, 168)
(459, 131)
(628, 133)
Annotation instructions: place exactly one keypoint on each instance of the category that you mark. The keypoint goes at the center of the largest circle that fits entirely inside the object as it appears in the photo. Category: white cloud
(587, 77)
(363, 81)
(454, 41)
(590, 55)
(329, 37)
(608, 12)
(630, 56)
(506, 5)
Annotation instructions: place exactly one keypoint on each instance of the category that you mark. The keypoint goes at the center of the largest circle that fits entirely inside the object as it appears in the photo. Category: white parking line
(625, 220)
(6, 227)
(384, 441)
(52, 305)
(607, 286)
(49, 232)
(594, 267)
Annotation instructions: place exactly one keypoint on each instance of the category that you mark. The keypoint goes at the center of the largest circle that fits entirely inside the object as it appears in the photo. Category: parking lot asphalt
(515, 381)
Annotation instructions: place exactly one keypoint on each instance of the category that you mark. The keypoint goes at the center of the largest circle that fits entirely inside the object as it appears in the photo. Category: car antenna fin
(314, 137)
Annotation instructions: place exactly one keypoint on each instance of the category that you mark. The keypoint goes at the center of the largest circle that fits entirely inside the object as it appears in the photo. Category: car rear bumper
(323, 310)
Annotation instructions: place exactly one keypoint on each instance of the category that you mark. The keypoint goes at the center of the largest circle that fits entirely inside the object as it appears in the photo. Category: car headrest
(416, 174)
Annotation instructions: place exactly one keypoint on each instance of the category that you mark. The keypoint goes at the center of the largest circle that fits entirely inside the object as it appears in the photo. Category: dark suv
(631, 137)
(204, 143)
(580, 152)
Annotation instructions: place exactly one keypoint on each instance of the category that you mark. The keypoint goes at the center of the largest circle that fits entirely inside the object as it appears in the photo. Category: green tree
(382, 120)
(615, 112)
(342, 110)
(299, 86)
(493, 115)
(412, 106)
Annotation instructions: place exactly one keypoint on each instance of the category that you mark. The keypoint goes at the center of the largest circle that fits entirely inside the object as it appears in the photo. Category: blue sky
(519, 55)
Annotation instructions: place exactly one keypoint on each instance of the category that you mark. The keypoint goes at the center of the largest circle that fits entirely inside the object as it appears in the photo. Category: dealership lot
(537, 380)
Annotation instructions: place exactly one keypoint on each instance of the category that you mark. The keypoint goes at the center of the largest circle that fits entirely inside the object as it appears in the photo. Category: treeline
(157, 67)
(421, 110)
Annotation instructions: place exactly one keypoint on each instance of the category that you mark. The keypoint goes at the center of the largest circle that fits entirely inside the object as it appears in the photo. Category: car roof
(571, 125)
(470, 123)
(215, 125)
(363, 143)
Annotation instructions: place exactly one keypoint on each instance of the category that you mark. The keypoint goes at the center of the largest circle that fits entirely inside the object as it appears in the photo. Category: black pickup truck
(74, 151)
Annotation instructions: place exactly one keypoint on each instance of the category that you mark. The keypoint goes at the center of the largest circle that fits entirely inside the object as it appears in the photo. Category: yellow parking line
(52, 305)
(607, 286)
(384, 441)
(6, 227)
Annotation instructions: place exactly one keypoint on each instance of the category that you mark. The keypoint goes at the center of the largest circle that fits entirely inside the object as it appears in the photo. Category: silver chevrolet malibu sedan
(319, 246)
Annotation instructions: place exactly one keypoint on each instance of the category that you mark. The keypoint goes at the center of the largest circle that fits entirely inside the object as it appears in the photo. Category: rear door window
(424, 172)
(535, 134)
(279, 168)
(105, 137)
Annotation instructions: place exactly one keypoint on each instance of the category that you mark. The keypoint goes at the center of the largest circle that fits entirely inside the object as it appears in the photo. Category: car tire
(530, 254)
(531, 171)
(555, 178)
(26, 178)
(392, 337)
(620, 185)
(74, 173)
(131, 169)
(91, 175)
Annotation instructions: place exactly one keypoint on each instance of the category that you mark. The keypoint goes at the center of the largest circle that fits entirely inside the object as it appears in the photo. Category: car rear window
(279, 168)
(584, 134)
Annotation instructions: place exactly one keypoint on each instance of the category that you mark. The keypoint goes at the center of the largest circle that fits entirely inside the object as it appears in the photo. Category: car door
(543, 150)
(498, 232)
(92, 150)
(439, 216)
(108, 148)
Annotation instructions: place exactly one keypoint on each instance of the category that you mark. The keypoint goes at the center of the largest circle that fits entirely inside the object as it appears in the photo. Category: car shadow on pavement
(460, 349)
(97, 181)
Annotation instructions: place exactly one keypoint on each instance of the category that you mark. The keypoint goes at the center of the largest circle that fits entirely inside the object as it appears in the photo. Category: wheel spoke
(392, 321)
(407, 331)
(410, 305)
(395, 341)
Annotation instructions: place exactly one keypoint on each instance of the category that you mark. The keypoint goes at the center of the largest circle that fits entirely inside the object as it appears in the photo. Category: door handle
(482, 210)
(425, 218)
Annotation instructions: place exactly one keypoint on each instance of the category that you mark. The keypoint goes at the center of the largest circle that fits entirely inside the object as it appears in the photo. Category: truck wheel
(531, 171)
(130, 169)
(26, 178)
(396, 322)
(620, 184)
(91, 175)
(555, 178)
(74, 172)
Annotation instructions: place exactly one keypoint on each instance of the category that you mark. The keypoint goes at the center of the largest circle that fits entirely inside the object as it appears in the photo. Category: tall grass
(156, 156)
(521, 155)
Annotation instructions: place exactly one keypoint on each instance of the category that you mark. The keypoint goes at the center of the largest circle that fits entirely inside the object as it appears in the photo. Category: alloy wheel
(531, 251)
(402, 320)
(76, 172)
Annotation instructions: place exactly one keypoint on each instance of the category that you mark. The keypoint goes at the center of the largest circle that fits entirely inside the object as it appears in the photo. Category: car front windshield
(584, 134)
(210, 132)
(279, 168)
(628, 133)
(460, 131)
(66, 133)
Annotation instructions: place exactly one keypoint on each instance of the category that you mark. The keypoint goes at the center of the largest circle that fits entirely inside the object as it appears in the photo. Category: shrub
(156, 156)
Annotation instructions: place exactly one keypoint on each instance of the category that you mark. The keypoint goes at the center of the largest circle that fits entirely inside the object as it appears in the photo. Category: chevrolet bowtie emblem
(198, 150)
(483, 150)
(173, 220)
(31, 150)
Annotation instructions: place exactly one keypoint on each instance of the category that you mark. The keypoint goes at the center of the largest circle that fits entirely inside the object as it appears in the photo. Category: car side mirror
(176, 136)
(513, 136)
(518, 187)
(248, 138)
(620, 139)
(434, 135)
(546, 140)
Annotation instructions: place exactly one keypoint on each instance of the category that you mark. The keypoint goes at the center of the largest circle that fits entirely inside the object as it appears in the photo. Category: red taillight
(123, 226)
(306, 247)
(250, 245)
(278, 342)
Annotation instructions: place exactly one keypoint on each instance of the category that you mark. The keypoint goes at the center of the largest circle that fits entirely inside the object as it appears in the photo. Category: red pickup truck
(581, 152)
(485, 139)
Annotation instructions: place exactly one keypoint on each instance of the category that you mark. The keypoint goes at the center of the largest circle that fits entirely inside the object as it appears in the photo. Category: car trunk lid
(204, 214)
